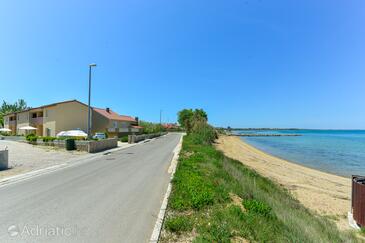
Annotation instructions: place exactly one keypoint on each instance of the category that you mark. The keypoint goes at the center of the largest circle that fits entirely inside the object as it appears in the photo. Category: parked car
(99, 135)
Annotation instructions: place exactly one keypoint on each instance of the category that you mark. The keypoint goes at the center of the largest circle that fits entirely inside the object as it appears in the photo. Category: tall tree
(200, 114)
(184, 118)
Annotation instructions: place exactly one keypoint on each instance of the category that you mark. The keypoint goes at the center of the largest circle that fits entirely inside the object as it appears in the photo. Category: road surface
(111, 198)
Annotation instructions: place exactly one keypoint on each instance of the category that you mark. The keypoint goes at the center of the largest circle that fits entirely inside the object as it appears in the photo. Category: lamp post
(88, 105)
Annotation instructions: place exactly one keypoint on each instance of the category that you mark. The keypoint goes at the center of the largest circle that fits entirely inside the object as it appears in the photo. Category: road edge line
(161, 215)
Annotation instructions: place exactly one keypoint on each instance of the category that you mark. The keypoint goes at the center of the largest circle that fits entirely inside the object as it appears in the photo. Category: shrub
(202, 133)
(258, 207)
(48, 139)
(124, 139)
(31, 137)
(179, 224)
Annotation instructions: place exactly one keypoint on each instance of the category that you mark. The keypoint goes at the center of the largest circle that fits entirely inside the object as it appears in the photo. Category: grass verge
(201, 207)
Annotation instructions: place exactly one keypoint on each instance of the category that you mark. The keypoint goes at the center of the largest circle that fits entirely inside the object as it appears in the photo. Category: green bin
(70, 144)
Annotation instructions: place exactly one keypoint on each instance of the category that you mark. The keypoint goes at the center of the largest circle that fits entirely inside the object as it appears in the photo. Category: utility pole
(88, 104)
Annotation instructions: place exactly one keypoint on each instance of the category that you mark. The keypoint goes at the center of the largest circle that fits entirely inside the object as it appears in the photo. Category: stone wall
(82, 145)
(138, 138)
(104, 144)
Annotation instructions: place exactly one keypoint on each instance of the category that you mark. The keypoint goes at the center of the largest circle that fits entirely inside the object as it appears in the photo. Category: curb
(161, 215)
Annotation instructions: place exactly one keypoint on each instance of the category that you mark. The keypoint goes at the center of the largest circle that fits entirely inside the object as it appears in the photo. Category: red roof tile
(113, 115)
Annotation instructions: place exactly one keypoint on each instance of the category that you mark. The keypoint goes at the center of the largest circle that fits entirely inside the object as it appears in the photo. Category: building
(69, 115)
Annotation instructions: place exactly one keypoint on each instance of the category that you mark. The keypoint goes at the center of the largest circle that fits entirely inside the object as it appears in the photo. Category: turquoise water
(340, 152)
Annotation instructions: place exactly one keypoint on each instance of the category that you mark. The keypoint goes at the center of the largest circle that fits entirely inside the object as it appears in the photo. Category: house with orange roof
(51, 119)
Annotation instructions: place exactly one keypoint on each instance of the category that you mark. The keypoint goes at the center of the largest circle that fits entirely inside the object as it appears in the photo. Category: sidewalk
(24, 158)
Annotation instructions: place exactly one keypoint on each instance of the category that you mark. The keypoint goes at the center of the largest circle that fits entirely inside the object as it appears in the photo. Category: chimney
(108, 109)
(137, 120)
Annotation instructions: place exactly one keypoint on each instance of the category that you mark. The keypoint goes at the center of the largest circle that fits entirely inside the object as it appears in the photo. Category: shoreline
(294, 162)
(325, 193)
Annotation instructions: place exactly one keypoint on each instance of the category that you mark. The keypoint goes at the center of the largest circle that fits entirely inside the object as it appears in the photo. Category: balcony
(12, 123)
(36, 121)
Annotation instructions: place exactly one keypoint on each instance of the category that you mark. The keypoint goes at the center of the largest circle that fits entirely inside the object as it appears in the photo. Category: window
(45, 113)
(115, 124)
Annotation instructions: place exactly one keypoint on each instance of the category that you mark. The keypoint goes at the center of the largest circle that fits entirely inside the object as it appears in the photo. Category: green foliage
(188, 118)
(31, 137)
(6, 108)
(201, 186)
(184, 118)
(195, 191)
(200, 114)
(179, 224)
(150, 127)
(124, 139)
(48, 139)
(255, 206)
(203, 133)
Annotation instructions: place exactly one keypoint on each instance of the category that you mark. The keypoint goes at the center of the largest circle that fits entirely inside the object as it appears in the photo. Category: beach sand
(324, 193)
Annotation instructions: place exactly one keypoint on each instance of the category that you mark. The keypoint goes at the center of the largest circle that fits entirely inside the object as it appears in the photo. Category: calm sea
(340, 152)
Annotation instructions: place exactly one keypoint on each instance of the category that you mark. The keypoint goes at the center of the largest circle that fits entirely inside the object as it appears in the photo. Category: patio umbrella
(27, 128)
(72, 133)
(5, 130)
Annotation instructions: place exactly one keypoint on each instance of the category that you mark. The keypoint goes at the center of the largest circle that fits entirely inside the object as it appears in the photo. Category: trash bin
(70, 144)
(358, 199)
(4, 159)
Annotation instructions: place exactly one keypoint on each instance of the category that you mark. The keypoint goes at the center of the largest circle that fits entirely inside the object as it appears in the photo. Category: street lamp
(89, 108)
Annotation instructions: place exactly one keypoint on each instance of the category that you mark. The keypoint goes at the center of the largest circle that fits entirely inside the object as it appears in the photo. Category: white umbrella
(72, 133)
(61, 134)
(5, 130)
(27, 128)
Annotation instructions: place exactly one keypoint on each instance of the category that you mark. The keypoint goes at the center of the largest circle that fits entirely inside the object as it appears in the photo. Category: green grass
(179, 224)
(202, 184)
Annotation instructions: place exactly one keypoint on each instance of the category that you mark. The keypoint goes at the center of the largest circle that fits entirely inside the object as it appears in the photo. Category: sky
(248, 63)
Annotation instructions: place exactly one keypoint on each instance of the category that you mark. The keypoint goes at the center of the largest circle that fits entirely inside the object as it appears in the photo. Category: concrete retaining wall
(4, 159)
(138, 138)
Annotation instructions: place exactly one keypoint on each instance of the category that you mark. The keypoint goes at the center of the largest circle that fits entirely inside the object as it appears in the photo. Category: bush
(258, 207)
(31, 137)
(202, 133)
(124, 139)
(48, 139)
(179, 224)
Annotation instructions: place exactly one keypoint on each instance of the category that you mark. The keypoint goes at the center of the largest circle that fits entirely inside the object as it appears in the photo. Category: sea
(340, 152)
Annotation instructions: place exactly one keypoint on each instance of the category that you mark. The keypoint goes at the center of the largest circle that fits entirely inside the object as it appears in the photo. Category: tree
(6, 108)
(200, 114)
(187, 118)
(184, 117)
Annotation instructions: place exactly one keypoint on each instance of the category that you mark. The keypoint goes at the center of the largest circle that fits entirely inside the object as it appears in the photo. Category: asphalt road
(112, 198)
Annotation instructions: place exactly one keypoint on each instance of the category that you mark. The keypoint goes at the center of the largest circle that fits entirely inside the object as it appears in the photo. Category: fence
(358, 199)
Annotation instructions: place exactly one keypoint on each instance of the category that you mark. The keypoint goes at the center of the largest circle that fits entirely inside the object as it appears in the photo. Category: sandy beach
(325, 193)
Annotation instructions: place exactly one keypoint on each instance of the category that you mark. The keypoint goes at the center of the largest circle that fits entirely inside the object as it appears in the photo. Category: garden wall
(87, 146)
(138, 138)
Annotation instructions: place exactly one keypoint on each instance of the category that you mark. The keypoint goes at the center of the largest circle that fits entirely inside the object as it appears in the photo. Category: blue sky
(247, 63)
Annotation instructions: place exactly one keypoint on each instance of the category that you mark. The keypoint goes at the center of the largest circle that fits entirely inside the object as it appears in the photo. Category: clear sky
(247, 63)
